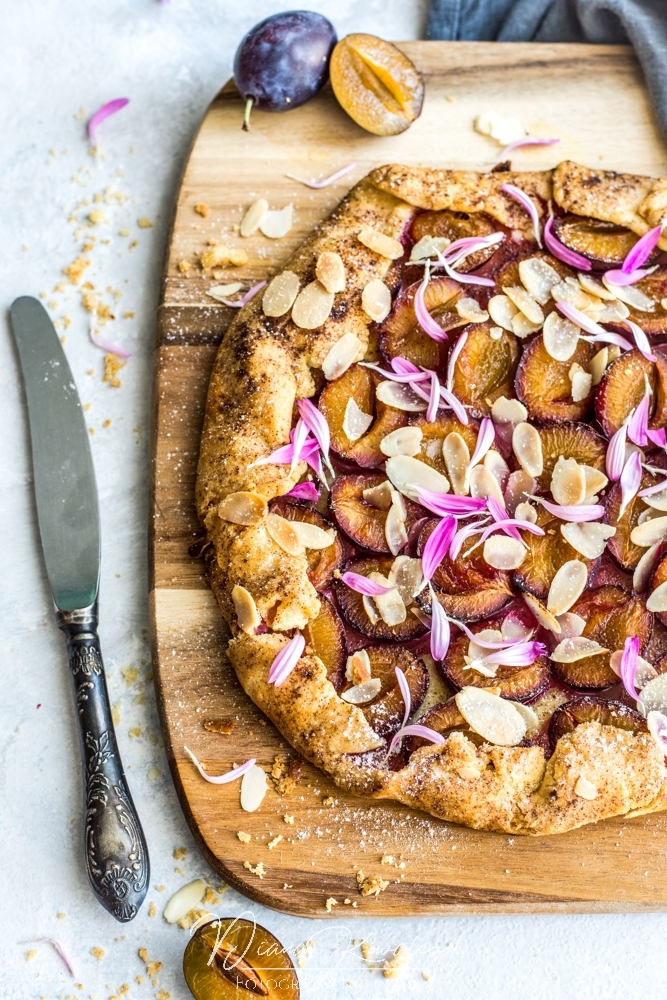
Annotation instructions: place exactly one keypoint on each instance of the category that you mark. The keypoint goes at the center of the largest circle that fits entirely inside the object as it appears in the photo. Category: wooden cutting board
(594, 99)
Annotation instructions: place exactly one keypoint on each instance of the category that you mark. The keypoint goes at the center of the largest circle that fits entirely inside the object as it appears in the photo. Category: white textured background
(169, 59)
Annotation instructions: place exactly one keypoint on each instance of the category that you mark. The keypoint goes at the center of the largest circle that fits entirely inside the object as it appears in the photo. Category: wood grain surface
(594, 99)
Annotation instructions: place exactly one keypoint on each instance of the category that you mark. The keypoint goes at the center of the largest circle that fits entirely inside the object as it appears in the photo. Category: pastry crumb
(366, 950)
(274, 843)
(371, 886)
(245, 838)
(179, 852)
(112, 365)
(221, 254)
(303, 953)
(426, 976)
(259, 870)
(393, 967)
(144, 223)
(224, 726)
(330, 903)
(202, 209)
(152, 910)
(98, 953)
(184, 266)
(29, 955)
(289, 819)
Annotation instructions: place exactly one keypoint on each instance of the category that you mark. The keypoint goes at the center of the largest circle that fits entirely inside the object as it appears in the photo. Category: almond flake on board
(253, 788)
(355, 421)
(280, 294)
(341, 355)
(380, 243)
(184, 900)
(220, 292)
(502, 128)
(330, 270)
(253, 217)
(278, 223)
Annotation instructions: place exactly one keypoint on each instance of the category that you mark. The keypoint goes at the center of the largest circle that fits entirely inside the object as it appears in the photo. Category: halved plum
(655, 287)
(362, 522)
(571, 440)
(385, 713)
(590, 708)
(517, 683)
(605, 244)
(467, 587)
(352, 608)
(509, 275)
(611, 616)
(625, 552)
(359, 384)
(321, 562)
(402, 336)
(543, 385)
(434, 434)
(545, 556)
(443, 718)
(609, 573)
(623, 387)
(456, 226)
(485, 368)
(660, 576)
(325, 636)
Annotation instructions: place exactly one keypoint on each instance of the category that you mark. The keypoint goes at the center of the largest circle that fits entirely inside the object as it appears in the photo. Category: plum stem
(246, 115)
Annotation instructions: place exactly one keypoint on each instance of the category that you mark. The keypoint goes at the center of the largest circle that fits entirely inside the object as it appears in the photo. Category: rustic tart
(433, 482)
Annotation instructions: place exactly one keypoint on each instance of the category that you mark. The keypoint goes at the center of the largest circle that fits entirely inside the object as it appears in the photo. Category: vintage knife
(69, 525)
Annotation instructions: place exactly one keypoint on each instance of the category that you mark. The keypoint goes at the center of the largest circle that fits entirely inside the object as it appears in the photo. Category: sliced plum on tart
(636, 512)
(547, 554)
(624, 386)
(444, 718)
(604, 244)
(323, 562)
(590, 708)
(611, 617)
(387, 615)
(401, 336)
(358, 420)
(659, 579)
(367, 508)
(646, 301)
(452, 226)
(576, 441)
(325, 636)
(485, 366)
(372, 684)
(545, 385)
(433, 450)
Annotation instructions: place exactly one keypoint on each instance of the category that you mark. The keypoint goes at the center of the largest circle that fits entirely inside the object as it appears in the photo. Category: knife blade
(68, 515)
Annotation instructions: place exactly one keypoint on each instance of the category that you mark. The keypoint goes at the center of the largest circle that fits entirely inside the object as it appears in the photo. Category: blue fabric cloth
(640, 22)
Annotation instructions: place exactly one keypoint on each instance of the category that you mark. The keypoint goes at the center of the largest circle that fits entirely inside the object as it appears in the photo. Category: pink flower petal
(405, 692)
(221, 779)
(416, 730)
(107, 346)
(622, 278)
(495, 509)
(628, 667)
(464, 279)
(423, 316)
(485, 643)
(437, 545)
(485, 438)
(362, 585)
(580, 319)
(440, 631)
(454, 403)
(659, 437)
(304, 491)
(638, 424)
(527, 141)
(615, 457)
(577, 514)
(562, 252)
(394, 377)
(610, 338)
(286, 660)
(108, 109)
(317, 424)
(526, 202)
(642, 250)
(631, 478)
(650, 490)
(298, 441)
(459, 538)
(641, 340)
(434, 399)
(245, 299)
(507, 524)
(60, 951)
(460, 249)
(453, 357)
(327, 180)
(521, 654)
(449, 503)
(404, 367)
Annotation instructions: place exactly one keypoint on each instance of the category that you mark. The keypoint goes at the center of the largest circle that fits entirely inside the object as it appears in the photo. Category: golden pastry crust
(263, 366)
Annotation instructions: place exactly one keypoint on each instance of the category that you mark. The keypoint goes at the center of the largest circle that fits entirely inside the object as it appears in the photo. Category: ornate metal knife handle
(116, 853)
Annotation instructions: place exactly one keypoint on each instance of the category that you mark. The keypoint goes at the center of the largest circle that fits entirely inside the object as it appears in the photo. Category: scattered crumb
(393, 967)
(330, 903)
(426, 975)
(61, 916)
(221, 254)
(329, 801)
(115, 715)
(98, 953)
(29, 955)
(130, 675)
(76, 269)
(259, 870)
(152, 968)
(289, 819)
(371, 886)
(144, 223)
(179, 852)
(97, 216)
(286, 773)
(224, 726)
(303, 953)
(276, 840)
(203, 210)
(128, 315)
(163, 995)
(112, 365)
(387, 859)
(152, 910)
(153, 773)
(184, 266)
(179, 871)
(124, 232)
(107, 423)
(366, 950)
(287, 886)
(135, 732)
(245, 838)
(160, 888)
(211, 897)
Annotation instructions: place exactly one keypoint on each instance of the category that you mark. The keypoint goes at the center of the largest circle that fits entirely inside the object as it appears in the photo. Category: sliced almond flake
(523, 327)
(502, 311)
(595, 481)
(542, 616)
(342, 354)
(577, 648)
(503, 552)
(355, 421)
(658, 501)
(649, 532)
(645, 671)
(254, 787)
(477, 652)
(571, 625)
(184, 900)
(312, 306)
(402, 441)
(220, 292)
(519, 487)
(457, 459)
(330, 270)
(358, 667)
(471, 311)
(588, 538)
(395, 531)
(247, 615)
(581, 383)
(280, 294)
(253, 217)
(530, 717)
(484, 484)
(376, 300)
(428, 246)
(538, 278)
(585, 789)
(497, 466)
(560, 336)
(495, 719)
(390, 606)
(567, 586)
(641, 577)
(526, 512)
(613, 312)
(406, 574)
(312, 536)
(568, 482)
(663, 303)
(379, 496)
(244, 507)
(277, 224)
(370, 609)
(595, 287)
(508, 411)
(657, 600)
(597, 366)
(530, 308)
(654, 695)
(480, 665)
(648, 515)
(569, 290)
(380, 243)
(502, 128)
(361, 694)
(409, 474)
(527, 446)
(514, 628)
(632, 296)
(400, 396)
(284, 534)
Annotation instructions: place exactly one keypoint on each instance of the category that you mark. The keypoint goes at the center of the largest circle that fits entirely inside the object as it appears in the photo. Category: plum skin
(284, 60)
